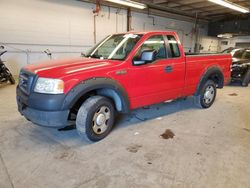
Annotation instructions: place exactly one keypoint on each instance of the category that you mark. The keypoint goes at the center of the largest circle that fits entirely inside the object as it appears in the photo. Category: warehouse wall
(209, 45)
(28, 27)
(184, 29)
(66, 28)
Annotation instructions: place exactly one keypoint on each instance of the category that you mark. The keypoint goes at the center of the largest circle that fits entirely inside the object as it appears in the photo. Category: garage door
(242, 45)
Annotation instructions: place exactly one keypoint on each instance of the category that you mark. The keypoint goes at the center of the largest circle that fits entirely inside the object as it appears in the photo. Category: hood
(63, 67)
(240, 61)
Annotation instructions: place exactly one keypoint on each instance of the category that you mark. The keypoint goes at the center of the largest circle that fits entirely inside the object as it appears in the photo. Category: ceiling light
(230, 5)
(129, 3)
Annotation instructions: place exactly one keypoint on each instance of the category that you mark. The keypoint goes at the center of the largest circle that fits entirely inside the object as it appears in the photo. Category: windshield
(114, 47)
(246, 54)
(238, 54)
(242, 54)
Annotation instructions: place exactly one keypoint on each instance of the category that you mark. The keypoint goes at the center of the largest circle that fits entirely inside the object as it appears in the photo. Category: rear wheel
(207, 95)
(95, 118)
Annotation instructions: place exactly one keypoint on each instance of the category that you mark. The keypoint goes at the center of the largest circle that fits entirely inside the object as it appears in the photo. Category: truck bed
(196, 64)
(196, 54)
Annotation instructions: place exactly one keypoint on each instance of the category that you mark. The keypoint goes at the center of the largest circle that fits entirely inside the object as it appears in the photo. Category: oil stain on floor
(134, 148)
(167, 134)
(233, 94)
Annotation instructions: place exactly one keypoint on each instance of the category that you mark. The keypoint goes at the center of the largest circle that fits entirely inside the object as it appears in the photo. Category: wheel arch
(98, 86)
(212, 73)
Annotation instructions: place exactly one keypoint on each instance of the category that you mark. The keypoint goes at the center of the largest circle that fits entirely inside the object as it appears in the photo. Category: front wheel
(207, 95)
(95, 118)
(11, 79)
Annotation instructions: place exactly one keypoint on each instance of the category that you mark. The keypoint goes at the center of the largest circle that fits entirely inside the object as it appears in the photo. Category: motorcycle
(5, 74)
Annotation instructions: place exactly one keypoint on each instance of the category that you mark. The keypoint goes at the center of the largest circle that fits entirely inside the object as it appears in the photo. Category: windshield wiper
(96, 56)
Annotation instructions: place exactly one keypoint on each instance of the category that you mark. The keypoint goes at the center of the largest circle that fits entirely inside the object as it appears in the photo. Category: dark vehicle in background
(240, 65)
(5, 74)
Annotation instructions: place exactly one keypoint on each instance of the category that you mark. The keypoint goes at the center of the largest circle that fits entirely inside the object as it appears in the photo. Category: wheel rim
(209, 94)
(100, 119)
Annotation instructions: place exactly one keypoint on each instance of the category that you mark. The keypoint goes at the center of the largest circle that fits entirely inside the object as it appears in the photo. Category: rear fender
(212, 73)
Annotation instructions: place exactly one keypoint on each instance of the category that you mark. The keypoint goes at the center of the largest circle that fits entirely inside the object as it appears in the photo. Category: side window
(247, 54)
(174, 48)
(153, 43)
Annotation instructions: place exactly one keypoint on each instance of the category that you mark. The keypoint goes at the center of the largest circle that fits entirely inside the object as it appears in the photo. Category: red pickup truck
(121, 73)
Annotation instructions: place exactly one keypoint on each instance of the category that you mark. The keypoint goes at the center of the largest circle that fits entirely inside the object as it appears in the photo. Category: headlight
(49, 86)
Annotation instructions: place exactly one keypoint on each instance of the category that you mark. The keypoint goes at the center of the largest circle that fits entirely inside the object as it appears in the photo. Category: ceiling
(204, 9)
(188, 10)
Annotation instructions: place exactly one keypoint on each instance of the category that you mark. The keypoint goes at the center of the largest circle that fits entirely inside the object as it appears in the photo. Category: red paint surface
(145, 84)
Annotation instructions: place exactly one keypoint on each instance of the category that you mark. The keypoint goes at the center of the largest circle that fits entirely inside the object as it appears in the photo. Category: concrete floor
(211, 148)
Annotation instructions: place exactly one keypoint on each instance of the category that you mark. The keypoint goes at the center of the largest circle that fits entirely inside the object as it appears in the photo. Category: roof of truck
(146, 32)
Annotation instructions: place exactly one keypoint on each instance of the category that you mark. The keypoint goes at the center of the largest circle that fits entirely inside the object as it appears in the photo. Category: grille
(26, 81)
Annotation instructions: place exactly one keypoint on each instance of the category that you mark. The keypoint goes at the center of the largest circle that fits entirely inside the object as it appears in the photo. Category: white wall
(28, 27)
(209, 44)
(66, 27)
(185, 30)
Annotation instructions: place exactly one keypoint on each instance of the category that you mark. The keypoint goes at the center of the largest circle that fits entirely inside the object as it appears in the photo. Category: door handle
(169, 69)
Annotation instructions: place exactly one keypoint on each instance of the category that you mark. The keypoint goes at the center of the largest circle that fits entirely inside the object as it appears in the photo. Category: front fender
(93, 84)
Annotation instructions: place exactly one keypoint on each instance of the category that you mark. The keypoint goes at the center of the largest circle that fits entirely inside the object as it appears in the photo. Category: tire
(11, 79)
(207, 95)
(246, 79)
(95, 118)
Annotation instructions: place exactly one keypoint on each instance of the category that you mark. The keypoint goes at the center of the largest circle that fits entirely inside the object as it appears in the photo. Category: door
(160, 80)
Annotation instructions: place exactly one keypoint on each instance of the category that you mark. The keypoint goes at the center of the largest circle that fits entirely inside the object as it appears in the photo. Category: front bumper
(238, 71)
(55, 119)
(41, 109)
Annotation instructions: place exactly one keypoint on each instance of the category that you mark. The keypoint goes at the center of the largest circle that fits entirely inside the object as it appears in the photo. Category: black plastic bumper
(43, 110)
(55, 119)
(238, 71)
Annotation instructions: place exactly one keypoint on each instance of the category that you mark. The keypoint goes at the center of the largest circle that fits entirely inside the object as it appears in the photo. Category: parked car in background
(240, 65)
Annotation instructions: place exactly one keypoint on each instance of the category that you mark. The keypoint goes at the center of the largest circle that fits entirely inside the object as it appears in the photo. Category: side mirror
(147, 56)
